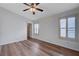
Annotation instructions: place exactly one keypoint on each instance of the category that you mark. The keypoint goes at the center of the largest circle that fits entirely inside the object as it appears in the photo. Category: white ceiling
(49, 9)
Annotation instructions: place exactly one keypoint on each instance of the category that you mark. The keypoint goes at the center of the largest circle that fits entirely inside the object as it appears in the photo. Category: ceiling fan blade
(37, 3)
(26, 9)
(33, 13)
(39, 9)
(26, 4)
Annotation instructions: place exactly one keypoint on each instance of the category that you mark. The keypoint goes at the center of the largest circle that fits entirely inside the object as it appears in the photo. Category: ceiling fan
(32, 7)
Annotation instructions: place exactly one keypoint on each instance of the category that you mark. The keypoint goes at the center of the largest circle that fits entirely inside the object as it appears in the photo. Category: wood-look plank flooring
(33, 47)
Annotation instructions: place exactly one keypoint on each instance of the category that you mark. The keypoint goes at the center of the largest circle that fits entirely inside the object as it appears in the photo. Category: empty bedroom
(39, 29)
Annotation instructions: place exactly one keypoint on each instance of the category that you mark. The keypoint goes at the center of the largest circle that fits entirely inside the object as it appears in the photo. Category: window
(67, 27)
(71, 27)
(36, 28)
(63, 27)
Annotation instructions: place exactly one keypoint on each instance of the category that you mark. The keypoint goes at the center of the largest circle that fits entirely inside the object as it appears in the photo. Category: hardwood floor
(33, 47)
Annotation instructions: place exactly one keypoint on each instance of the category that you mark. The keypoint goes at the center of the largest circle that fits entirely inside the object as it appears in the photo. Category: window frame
(67, 38)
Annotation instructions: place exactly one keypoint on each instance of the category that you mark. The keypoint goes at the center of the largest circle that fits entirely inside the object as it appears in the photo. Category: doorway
(29, 30)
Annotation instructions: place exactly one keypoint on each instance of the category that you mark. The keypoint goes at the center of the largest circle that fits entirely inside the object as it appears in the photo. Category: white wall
(49, 30)
(13, 28)
(0, 29)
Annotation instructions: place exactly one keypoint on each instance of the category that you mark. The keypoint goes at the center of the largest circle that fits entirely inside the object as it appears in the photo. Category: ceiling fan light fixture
(32, 9)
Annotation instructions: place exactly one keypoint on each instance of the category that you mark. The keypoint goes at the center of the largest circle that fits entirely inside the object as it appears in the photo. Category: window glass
(71, 22)
(36, 28)
(71, 34)
(63, 32)
(63, 23)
